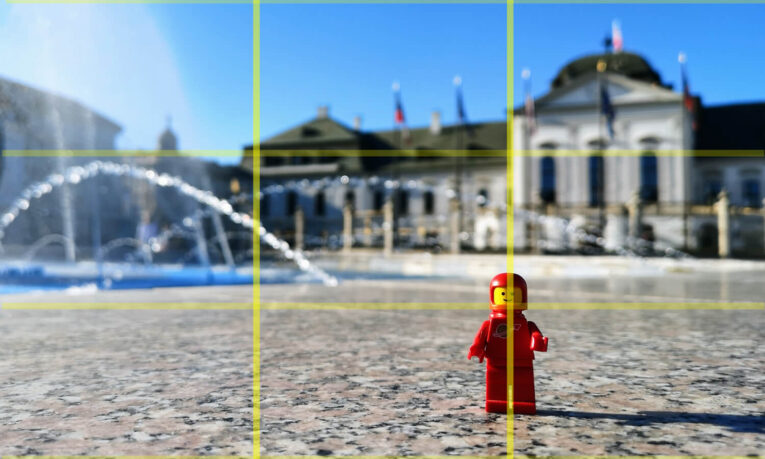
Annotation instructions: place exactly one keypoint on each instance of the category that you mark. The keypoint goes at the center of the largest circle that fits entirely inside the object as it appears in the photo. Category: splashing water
(579, 234)
(75, 174)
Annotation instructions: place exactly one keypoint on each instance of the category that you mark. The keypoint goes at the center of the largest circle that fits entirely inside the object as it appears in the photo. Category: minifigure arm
(478, 349)
(538, 342)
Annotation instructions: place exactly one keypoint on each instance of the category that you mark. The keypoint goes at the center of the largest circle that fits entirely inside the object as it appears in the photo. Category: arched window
(320, 204)
(751, 193)
(350, 198)
(483, 197)
(547, 180)
(291, 203)
(649, 177)
(428, 202)
(712, 185)
(378, 199)
(403, 202)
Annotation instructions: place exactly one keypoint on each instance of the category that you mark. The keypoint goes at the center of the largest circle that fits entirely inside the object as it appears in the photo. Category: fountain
(76, 174)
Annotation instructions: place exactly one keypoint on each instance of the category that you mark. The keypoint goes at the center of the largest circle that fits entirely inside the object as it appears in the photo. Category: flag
(688, 101)
(528, 105)
(607, 109)
(461, 113)
(460, 106)
(531, 122)
(616, 37)
(398, 115)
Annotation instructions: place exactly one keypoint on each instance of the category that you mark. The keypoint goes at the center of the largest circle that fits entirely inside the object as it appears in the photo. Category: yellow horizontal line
(121, 153)
(532, 306)
(131, 457)
(401, 2)
(385, 153)
(505, 153)
(379, 306)
(503, 456)
(174, 2)
(650, 306)
(357, 306)
(126, 306)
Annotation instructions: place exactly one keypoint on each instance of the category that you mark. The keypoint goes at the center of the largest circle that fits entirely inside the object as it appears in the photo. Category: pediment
(621, 90)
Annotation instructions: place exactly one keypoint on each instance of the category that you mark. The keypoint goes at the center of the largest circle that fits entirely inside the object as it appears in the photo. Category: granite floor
(618, 382)
(147, 382)
(384, 382)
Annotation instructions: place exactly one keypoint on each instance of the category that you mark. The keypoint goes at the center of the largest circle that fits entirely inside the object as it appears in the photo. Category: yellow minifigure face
(500, 298)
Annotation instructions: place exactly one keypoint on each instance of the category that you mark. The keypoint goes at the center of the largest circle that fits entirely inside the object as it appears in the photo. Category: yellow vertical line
(256, 227)
(510, 230)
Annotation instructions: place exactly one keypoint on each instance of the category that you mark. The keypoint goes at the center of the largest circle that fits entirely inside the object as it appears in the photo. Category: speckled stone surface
(613, 382)
(127, 382)
(382, 382)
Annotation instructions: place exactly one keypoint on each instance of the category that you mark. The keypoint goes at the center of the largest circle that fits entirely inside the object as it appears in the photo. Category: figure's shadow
(733, 422)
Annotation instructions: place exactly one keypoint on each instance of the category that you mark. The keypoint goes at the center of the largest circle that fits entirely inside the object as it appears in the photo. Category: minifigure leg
(496, 388)
(524, 400)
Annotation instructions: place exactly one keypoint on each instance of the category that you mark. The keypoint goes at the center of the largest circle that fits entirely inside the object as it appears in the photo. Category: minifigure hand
(476, 352)
(538, 342)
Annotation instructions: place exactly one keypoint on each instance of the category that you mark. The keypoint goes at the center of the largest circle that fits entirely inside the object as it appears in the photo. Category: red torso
(496, 340)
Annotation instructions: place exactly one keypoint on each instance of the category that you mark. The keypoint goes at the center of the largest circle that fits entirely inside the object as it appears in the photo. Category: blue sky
(347, 56)
(139, 63)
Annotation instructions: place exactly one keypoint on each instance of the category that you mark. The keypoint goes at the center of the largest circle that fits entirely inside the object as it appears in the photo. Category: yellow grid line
(509, 78)
(256, 305)
(389, 457)
(255, 238)
(120, 153)
(386, 306)
(734, 153)
(123, 306)
(642, 306)
(450, 153)
(397, 2)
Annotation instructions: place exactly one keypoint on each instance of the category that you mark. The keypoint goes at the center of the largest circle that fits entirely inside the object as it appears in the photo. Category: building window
(483, 197)
(712, 186)
(319, 204)
(596, 180)
(292, 202)
(350, 198)
(649, 177)
(547, 180)
(751, 192)
(403, 202)
(429, 202)
(378, 199)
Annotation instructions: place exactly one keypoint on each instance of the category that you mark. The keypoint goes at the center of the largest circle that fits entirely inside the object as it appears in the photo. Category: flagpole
(526, 75)
(681, 59)
(601, 68)
(458, 160)
(396, 159)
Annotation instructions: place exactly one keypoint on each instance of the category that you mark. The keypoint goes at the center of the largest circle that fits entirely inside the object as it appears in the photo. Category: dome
(627, 64)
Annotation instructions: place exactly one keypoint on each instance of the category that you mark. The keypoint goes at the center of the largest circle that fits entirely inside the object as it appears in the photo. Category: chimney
(435, 123)
(356, 123)
(322, 112)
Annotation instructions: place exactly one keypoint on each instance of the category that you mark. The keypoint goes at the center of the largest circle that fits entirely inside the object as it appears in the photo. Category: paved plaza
(385, 382)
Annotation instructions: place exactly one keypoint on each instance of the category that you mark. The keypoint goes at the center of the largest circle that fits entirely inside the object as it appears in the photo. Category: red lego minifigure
(491, 342)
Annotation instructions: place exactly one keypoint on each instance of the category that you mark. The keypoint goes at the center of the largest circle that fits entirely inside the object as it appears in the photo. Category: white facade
(569, 124)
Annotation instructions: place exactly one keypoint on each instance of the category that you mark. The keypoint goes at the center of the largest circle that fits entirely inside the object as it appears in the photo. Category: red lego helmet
(498, 293)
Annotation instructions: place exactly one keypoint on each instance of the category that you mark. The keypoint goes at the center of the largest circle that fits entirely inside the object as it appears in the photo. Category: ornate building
(569, 172)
